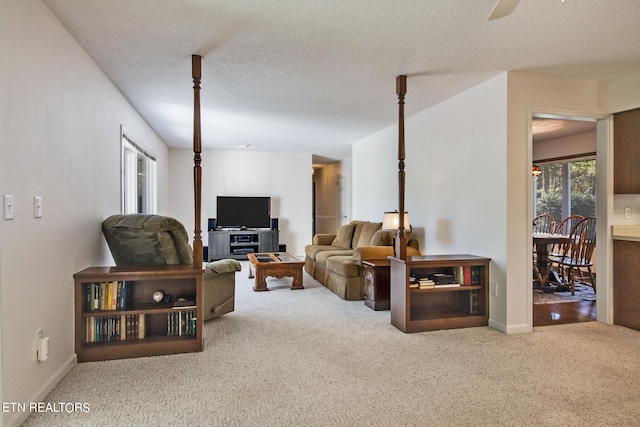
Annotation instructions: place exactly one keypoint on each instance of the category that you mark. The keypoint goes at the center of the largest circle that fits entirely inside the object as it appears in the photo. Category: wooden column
(401, 238)
(196, 71)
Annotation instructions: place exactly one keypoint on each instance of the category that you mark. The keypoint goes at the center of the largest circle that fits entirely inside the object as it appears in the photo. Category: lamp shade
(391, 220)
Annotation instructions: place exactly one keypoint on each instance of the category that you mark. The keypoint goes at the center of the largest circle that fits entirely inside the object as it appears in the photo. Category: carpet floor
(308, 358)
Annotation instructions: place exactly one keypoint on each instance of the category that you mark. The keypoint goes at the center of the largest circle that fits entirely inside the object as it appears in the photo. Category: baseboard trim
(497, 325)
(44, 391)
(519, 329)
(512, 329)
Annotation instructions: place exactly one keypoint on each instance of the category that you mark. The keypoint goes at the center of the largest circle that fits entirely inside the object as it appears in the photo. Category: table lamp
(391, 222)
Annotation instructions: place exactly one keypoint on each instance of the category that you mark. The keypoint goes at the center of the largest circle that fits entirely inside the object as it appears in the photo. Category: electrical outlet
(627, 213)
(493, 289)
(39, 337)
(42, 346)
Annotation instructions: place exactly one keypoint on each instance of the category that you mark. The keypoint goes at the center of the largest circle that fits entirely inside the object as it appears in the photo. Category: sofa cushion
(323, 256)
(312, 251)
(343, 265)
(345, 234)
(369, 229)
(356, 233)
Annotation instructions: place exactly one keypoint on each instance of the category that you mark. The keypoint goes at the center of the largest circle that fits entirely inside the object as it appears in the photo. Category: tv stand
(236, 244)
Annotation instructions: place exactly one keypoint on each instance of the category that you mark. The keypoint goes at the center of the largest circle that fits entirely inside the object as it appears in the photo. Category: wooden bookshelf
(417, 310)
(116, 316)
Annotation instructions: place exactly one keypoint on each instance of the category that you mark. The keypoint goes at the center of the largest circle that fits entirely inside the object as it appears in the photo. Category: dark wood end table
(376, 284)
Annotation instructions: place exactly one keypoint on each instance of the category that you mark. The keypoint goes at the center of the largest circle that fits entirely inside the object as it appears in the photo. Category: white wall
(285, 177)
(59, 139)
(624, 93)
(455, 174)
(375, 175)
(571, 145)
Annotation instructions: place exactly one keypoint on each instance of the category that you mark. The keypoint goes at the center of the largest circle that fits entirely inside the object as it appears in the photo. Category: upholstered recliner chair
(141, 239)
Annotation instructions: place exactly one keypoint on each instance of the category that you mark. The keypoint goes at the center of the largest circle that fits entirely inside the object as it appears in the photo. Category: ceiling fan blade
(503, 8)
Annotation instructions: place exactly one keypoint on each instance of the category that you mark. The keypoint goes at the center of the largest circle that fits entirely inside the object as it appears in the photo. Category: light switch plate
(8, 206)
(37, 206)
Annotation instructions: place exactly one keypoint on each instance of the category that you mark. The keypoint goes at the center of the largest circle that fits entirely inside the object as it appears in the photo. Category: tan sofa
(335, 260)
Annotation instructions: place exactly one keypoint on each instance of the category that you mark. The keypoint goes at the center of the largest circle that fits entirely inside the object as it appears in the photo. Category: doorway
(564, 185)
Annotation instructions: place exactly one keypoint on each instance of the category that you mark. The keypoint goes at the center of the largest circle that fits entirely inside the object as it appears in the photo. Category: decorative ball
(158, 296)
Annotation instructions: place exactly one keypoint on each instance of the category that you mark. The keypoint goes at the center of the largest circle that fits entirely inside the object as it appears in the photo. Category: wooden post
(196, 71)
(401, 238)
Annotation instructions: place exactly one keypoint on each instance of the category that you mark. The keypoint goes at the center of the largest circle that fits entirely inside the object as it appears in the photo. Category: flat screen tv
(243, 212)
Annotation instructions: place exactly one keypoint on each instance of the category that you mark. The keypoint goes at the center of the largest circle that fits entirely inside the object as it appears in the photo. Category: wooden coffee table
(274, 264)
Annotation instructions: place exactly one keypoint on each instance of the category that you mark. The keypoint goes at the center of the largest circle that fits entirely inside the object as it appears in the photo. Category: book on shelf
(141, 328)
(469, 301)
(426, 283)
(442, 278)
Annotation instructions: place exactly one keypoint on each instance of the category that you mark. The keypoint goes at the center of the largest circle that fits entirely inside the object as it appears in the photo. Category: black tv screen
(243, 212)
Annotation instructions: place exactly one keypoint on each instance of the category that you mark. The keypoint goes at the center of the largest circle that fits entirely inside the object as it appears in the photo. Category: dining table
(542, 243)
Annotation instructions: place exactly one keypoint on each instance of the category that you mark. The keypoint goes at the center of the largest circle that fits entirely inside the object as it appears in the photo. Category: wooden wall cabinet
(116, 316)
(626, 152)
(417, 310)
(626, 284)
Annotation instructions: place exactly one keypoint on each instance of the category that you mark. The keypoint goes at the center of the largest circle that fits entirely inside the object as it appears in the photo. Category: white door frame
(604, 203)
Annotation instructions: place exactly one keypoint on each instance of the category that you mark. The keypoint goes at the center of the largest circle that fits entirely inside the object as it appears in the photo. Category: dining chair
(576, 255)
(564, 227)
(544, 223)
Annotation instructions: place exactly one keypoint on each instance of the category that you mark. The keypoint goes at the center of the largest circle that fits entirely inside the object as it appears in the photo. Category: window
(139, 187)
(567, 188)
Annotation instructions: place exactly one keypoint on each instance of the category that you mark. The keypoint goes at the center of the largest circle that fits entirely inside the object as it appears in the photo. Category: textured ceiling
(315, 76)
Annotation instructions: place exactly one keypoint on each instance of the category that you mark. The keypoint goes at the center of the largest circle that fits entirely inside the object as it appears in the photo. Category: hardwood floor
(562, 313)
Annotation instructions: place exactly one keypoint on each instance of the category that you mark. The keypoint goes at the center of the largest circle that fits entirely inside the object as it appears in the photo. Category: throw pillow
(343, 239)
(382, 238)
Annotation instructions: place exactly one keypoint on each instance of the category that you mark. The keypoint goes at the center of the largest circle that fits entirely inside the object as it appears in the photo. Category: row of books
(467, 275)
(460, 276)
(105, 295)
(114, 328)
(436, 280)
(181, 322)
(132, 326)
